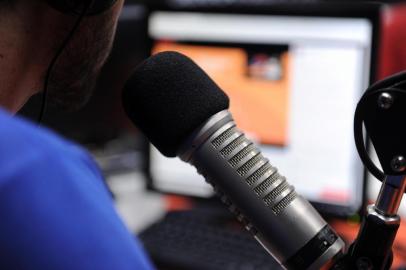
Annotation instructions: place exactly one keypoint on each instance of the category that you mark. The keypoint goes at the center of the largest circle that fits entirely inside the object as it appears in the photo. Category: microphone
(184, 113)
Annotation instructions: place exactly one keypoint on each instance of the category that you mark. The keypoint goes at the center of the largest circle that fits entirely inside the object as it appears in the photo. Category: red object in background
(178, 203)
(335, 195)
(393, 43)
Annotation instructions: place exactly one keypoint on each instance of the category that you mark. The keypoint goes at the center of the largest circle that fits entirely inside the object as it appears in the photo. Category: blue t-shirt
(55, 212)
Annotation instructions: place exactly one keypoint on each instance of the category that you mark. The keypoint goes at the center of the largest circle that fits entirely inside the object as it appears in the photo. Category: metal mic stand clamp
(382, 109)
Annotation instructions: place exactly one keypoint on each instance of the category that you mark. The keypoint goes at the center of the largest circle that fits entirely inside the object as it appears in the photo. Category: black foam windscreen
(168, 97)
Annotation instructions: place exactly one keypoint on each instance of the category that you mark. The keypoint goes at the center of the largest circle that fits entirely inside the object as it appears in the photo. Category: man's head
(31, 31)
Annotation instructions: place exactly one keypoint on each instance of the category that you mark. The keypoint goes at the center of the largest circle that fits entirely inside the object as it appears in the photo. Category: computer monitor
(294, 75)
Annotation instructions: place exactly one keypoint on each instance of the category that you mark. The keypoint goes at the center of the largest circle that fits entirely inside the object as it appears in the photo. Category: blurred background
(139, 178)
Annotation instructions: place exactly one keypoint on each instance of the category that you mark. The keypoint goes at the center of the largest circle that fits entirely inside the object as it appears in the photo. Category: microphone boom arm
(382, 109)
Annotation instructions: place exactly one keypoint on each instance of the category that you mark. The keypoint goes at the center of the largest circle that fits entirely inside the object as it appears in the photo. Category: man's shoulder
(22, 143)
(52, 193)
(23, 135)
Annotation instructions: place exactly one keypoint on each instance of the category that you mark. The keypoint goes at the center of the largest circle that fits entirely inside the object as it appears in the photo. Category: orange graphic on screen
(258, 87)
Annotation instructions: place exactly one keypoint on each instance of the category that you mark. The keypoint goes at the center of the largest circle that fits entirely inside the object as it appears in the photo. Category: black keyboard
(200, 241)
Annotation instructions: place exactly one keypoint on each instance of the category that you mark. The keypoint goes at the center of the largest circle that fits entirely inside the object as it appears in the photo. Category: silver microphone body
(285, 223)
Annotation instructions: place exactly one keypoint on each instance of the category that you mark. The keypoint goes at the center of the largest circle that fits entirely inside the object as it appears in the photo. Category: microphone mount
(382, 110)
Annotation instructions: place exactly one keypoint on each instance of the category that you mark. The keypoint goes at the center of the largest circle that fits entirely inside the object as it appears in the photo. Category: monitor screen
(293, 82)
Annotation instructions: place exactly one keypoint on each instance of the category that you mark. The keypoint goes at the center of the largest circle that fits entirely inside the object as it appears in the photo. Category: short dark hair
(5, 2)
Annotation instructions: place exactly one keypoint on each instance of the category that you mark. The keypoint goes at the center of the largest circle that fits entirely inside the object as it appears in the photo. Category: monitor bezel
(369, 11)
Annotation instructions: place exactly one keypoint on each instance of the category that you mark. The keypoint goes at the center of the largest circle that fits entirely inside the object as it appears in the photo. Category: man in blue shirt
(55, 212)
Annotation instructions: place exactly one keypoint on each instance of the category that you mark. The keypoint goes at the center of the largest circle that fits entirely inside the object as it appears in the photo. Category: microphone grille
(264, 179)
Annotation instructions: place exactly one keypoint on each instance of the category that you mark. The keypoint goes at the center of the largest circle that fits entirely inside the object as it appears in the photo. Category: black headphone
(77, 6)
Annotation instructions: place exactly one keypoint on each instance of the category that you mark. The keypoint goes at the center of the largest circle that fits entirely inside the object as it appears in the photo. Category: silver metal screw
(398, 164)
(385, 101)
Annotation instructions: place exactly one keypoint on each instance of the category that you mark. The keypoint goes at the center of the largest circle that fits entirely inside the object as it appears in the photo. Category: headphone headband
(76, 6)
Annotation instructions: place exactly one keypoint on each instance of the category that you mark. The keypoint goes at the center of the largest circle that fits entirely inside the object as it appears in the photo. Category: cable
(359, 137)
(55, 59)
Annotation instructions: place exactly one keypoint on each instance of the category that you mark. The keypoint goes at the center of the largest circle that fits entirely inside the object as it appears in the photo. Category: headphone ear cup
(77, 6)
